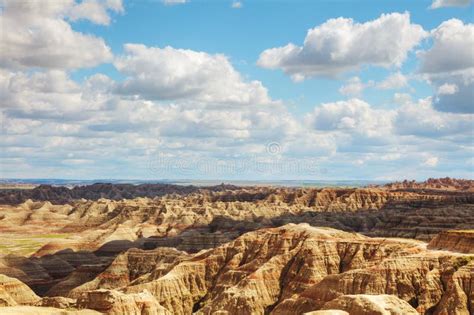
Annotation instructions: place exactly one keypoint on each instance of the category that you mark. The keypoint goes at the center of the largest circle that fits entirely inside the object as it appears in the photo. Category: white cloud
(402, 98)
(237, 5)
(448, 63)
(449, 3)
(452, 48)
(356, 125)
(431, 161)
(50, 95)
(354, 116)
(36, 34)
(51, 118)
(95, 10)
(340, 45)
(422, 120)
(353, 87)
(169, 73)
(174, 2)
(447, 89)
(393, 81)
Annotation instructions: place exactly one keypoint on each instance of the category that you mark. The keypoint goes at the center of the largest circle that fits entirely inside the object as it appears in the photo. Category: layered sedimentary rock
(116, 303)
(189, 252)
(62, 195)
(14, 292)
(37, 310)
(446, 184)
(129, 266)
(364, 304)
(57, 302)
(455, 240)
(81, 275)
(297, 268)
(293, 269)
(68, 268)
(207, 217)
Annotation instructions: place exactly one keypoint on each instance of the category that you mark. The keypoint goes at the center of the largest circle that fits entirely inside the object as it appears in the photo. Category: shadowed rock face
(128, 267)
(61, 195)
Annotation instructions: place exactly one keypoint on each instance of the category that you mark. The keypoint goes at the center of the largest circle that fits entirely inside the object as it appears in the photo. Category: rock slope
(371, 304)
(455, 240)
(297, 268)
(237, 250)
(14, 292)
(293, 269)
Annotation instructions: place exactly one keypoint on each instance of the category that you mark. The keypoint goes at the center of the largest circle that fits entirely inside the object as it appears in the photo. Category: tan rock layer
(455, 240)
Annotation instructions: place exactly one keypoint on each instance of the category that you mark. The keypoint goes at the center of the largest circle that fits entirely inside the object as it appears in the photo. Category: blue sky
(232, 90)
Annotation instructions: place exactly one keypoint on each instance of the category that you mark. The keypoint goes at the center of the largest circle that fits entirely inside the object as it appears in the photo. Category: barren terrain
(401, 248)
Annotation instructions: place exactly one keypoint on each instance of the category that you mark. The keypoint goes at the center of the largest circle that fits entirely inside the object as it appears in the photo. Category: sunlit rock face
(455, 240)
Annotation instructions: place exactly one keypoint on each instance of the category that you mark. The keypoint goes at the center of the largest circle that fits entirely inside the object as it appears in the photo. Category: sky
(243, 90)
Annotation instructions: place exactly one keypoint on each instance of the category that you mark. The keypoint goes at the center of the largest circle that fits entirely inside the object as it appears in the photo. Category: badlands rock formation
(372, 304)
(293, 269)
(61, 195)
(116, 303)
(446, 184)
(14, 292)
(164, 249)
(34, 310)
(128, 267)
(297, 269)
(455, 240)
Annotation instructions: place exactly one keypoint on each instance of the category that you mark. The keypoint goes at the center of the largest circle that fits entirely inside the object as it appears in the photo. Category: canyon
(400, 248)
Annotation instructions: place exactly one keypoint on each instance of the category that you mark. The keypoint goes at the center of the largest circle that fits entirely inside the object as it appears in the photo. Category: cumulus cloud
(354, 116)
(356, 125)
(354, 87)
(95, 11)
(422, 120)
(447, 89)
(449, 3)
(341, 44)
(452, 48)
(36, 34)
(50, 117)
(451, 74)
(47, 111)
(393, 81)
(48, 95)
(185, 103)
(401, 98)
(169, 73)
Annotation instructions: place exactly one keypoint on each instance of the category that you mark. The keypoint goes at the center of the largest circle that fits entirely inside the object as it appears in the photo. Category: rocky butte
(400, 248)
